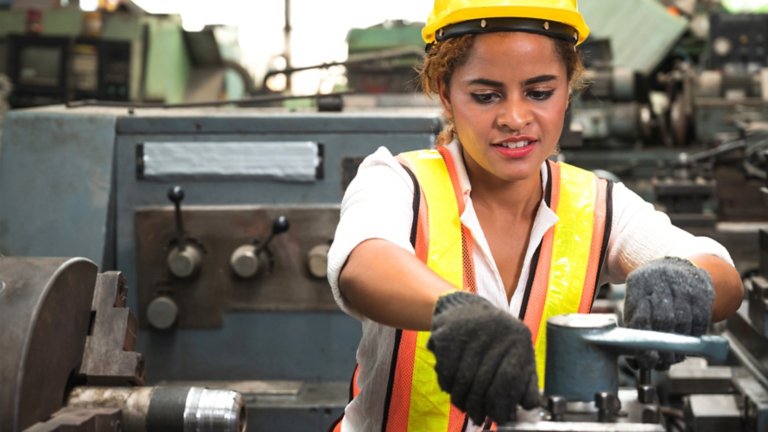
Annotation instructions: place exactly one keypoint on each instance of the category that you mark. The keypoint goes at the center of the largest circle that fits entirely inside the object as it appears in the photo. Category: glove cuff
(454, 299)
(676, 260)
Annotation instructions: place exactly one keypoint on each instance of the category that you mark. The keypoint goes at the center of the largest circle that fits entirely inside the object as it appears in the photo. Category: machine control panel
(244, 258)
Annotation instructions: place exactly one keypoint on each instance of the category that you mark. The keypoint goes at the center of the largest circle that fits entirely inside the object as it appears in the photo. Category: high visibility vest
(567, 264)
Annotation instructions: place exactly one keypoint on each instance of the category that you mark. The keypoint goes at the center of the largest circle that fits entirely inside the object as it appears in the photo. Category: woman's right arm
(389, 285)
(372, 269)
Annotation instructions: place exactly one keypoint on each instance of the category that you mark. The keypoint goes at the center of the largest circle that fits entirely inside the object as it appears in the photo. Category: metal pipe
(167, 408)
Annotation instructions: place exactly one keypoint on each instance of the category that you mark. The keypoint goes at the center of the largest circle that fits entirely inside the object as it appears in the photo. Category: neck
(519, 199)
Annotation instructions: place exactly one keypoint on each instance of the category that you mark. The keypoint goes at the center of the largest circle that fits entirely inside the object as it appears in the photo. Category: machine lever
(249, 259)
(176, 195)
(279, 226)
(714, 348)
(185, 258)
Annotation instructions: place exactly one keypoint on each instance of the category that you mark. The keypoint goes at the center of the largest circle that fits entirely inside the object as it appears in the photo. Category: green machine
(126, 55)
(383, 58)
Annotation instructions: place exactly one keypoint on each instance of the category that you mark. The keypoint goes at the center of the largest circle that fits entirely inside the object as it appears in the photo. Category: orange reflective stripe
(598, 233)
(396, 417)
(456, 419)
(467, 251)
(400, 402)
(355, 387)
(538, 295)
(421, 246)
(451, 166)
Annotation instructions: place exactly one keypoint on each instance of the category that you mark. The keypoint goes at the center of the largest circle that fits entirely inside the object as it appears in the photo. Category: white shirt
(378, 204)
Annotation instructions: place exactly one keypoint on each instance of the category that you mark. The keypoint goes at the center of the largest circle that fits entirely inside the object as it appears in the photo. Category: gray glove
(484, 358)
(668, 295)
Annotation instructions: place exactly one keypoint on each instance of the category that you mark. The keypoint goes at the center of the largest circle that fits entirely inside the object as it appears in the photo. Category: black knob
(280, 225)
(176, 194)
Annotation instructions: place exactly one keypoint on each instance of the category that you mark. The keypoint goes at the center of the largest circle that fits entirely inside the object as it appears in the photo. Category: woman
(483, 239)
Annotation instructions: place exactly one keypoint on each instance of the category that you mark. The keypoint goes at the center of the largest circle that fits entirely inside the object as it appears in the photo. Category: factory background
(170, 180)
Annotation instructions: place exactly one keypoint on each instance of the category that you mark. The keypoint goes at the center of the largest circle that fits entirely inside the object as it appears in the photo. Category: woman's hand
(669, 295)
(485, 358)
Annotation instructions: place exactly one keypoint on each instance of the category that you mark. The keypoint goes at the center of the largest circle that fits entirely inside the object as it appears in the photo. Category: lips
(518, 144)
(516, 147)
(516, 141)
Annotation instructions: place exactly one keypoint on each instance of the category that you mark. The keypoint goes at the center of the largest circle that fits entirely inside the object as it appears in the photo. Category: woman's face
(508, 103)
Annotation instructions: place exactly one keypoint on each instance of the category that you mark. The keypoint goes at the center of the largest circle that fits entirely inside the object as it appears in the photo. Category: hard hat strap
(530, 25)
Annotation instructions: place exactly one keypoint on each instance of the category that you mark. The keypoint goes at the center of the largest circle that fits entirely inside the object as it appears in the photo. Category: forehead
(513, 52)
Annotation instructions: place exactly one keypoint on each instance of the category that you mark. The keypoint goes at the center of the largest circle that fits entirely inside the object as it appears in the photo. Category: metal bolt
(646, 394)
(650, 414)
(556, 406)
(607, 406)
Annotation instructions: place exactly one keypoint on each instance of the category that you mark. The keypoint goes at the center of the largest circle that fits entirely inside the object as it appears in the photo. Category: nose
(515, 114)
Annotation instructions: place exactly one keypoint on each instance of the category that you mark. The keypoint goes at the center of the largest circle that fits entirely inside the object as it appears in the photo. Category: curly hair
(444, 57)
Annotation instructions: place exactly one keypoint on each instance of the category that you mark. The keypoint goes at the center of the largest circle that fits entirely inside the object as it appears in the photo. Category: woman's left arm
(726, 281)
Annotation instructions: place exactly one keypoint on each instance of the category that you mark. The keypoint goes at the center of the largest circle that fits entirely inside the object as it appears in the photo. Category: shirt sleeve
(377, 204)
(640, 233)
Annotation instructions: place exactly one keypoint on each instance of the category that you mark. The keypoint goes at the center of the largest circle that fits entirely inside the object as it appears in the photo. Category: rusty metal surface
(109, 357)
(45, 309)
(215, 289)
(81, 420)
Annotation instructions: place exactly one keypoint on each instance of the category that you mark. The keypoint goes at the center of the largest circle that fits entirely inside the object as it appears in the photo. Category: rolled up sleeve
(377, 204)
(640, 233)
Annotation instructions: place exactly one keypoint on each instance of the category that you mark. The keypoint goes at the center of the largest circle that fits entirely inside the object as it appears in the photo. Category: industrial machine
(220, 220)
(393, 51)
(582, 387)
(61, 54)
(68, 360)
(678, 114)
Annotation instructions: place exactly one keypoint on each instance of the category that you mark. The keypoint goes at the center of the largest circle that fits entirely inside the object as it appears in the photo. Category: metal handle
(714, 348)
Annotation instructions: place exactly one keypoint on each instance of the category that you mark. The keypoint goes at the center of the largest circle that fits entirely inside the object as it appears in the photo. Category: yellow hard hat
(556, 18)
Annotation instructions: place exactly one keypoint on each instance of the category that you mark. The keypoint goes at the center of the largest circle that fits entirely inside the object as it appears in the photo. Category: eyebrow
(535, 80)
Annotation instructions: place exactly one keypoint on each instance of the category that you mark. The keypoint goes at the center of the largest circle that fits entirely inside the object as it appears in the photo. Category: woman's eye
(485, 98)
(540, 95)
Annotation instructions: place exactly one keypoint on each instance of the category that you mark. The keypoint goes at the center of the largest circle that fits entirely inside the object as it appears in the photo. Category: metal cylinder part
(597, 368)
(245, 261)
(184, 262)
(167, 408)
(162, 312)
(317, 261)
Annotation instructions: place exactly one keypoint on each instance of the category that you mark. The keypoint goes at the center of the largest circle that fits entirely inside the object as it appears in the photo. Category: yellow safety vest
(567, 264)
